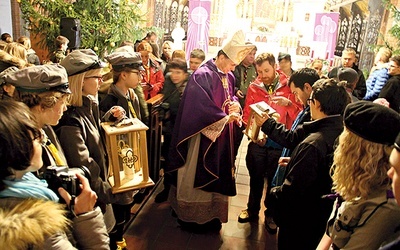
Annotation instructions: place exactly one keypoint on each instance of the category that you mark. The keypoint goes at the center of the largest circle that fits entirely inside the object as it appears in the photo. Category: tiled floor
(155, 228)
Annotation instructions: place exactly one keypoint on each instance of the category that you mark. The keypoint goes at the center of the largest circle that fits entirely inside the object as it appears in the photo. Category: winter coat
(82, 140)
(391, 92)
(40, 224)
(375, 82)
(115, 98)
(257, 93)
(156, 80)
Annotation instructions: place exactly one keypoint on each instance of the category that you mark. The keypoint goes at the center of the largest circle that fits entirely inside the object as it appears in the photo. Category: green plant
(104, 23)
(394, 31)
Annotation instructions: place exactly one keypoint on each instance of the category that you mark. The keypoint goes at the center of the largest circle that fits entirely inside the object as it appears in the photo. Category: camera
(63, 176)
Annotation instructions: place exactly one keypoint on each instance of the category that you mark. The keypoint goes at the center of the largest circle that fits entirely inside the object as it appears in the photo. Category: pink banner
(198, 26)
(325, 34)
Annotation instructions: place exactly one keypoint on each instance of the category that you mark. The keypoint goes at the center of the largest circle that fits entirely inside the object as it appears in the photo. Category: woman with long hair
(365, 205)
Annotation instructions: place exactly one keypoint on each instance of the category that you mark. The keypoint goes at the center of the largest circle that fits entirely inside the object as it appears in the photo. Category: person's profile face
(194, 63)
(227, 65)
(55, 113)
(300, 94)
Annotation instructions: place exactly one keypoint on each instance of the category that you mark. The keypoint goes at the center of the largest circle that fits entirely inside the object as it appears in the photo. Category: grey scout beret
(41, 78)
(121, 59)
(81, 60)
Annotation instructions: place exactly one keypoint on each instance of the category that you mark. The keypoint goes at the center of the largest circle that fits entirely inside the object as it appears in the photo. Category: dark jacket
(244, 76)
(115, 98)
(283, 136)
(307, 179)
(391, 92)
(172, 96)
(82, 141)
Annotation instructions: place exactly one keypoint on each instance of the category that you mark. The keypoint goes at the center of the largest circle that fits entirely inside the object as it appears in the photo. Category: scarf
(29, 186)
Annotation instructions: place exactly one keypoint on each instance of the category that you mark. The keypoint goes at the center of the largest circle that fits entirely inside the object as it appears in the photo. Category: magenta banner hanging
(198, 26)
(325, 34)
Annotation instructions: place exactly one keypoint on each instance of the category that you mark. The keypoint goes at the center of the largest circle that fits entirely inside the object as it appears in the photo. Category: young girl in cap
(79, 129)
(365, 214)
(126, 70)
(30, 217)
(44, 89)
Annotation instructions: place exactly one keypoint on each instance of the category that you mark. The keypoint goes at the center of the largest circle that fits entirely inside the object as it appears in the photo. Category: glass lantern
(127, 153)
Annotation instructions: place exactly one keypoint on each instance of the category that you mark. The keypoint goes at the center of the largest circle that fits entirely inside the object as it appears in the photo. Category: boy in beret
(365, 206)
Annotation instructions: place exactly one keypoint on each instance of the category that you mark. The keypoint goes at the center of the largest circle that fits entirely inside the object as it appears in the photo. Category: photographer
(31, 216)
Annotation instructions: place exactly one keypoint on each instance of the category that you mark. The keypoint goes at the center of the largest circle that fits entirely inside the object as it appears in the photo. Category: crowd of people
(327, 157)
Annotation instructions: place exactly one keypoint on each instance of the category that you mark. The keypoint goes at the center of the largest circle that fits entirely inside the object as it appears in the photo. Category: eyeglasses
(309, 100)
